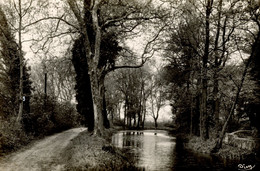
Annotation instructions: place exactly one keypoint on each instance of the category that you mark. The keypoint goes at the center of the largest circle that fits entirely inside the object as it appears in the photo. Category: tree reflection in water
(161, 151)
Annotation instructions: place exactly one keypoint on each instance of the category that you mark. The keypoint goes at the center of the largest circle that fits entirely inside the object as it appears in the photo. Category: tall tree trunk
(203, 108)
(204, 134)
(140, 107)
(198, 106)
(20, 113)
(139, 118)
(90, 109)
(144, 111)
(142, 94)
(217, 63)
(155, 123)
(91, 30)
(45, 88)
(104, 106)
(125, 112)
(97, 104)
(216, 101)
(191, 116)
(93, 57)
(189, 94)
(223, 131)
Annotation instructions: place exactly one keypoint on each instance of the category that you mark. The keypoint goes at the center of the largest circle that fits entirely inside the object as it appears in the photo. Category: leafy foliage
(109, 51)
(49, 116)
(12, 137)
(10, 72)
(82, 87)
(254, 103)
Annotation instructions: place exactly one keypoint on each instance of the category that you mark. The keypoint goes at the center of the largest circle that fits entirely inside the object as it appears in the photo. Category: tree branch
(76, 12)
(51, 18)
(142, 56)
(26, 10)
(116, 19)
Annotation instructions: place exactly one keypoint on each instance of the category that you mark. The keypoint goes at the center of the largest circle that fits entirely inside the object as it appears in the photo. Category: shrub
(66, 116)
(49, 116)
(12, 136)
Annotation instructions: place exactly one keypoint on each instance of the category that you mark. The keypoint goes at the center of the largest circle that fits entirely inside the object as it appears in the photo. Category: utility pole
(45, 86)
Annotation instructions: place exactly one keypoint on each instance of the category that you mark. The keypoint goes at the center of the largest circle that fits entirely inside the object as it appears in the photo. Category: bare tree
(157, 100)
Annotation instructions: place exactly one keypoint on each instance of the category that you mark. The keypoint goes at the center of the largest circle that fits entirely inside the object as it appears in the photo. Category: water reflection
(152, 150)
(156, 150)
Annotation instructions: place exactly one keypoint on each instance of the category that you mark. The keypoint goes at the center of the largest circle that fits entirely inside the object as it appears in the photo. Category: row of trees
(137, 94)
(202, 49)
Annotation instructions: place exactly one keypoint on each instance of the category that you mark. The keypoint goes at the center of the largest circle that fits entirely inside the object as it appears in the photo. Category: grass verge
(90, 152)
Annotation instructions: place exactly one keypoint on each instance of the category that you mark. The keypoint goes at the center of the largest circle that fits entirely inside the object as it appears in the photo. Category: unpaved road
(44, 155)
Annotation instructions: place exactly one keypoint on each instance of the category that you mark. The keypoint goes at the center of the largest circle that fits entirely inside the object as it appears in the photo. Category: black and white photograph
(139, 85)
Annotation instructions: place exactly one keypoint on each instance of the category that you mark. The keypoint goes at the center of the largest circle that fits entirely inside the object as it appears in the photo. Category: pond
(157, 150)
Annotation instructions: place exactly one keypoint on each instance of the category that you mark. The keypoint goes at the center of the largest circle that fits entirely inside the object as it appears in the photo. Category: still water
(157, 150)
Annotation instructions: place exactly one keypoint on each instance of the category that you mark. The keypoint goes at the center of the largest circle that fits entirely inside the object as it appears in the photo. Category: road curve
(45, 154)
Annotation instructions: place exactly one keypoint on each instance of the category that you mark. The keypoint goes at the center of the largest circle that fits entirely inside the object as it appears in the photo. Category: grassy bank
(197, 145)
(89, 152)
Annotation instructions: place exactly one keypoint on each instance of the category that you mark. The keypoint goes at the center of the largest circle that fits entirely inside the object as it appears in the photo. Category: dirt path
(43, 155)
